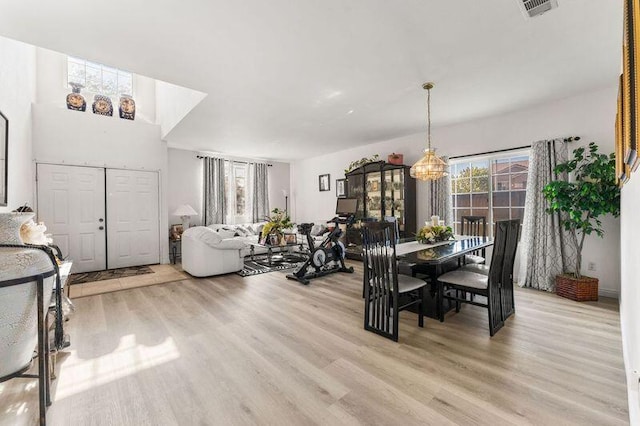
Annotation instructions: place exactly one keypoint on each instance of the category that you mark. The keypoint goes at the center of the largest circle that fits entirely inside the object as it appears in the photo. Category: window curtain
(546, 249)
(259, 178)
(439, 200)
(215, 208)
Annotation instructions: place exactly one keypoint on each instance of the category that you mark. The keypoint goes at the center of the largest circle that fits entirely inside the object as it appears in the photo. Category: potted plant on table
(430, 234)
(276, 224)
(592, 193)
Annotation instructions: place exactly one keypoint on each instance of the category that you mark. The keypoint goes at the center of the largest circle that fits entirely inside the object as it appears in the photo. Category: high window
(235, 181)
(98, 78)
(494, 187)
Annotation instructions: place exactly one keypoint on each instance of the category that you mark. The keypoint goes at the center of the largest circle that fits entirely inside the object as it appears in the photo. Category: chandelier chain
(429, 118)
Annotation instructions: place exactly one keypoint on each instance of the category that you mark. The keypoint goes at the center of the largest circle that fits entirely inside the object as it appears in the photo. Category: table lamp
(185, 212)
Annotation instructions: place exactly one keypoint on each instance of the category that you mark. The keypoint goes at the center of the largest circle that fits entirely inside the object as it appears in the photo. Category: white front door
(71, 204)
(133, 214)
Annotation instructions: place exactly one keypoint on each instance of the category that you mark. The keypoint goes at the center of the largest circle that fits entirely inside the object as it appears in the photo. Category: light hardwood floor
(266, 350)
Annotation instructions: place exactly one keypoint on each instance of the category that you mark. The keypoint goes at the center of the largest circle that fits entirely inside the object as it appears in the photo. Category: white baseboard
(608, 293)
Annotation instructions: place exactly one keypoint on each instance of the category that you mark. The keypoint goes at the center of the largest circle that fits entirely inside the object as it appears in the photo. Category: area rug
(111, 274)
(252, 267)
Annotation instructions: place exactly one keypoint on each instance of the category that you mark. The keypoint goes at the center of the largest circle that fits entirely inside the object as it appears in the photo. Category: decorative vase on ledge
(127, 108)
(75, 101)
(102, 105)
(18, 315)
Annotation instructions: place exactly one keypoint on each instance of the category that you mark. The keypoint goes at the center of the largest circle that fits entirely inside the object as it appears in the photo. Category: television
(346, 206)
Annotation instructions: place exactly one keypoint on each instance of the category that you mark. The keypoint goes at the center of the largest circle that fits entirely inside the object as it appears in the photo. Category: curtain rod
(234, 161)
(569, 139)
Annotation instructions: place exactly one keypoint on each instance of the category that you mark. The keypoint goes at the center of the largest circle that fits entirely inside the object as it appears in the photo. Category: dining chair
(474, 226)
(496, 285)
(383, 285)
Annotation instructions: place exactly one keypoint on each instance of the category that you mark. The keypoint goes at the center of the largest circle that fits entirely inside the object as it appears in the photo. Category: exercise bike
(324, 259)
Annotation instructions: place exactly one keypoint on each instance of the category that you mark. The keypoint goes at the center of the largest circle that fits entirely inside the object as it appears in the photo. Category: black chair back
(380, 279)
(494, 300)
(475, 226)
(507, 299)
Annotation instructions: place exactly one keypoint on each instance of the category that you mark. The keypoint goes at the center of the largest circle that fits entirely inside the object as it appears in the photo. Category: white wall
(173, 103)
(590, 116)
(630, 290)
(279, 180)
(17, 92)
(185, 183)
(53, 90)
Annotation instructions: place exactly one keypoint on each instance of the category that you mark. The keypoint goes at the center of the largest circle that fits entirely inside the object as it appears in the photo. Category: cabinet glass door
(394, 196)
(373, 188)
(355, 185)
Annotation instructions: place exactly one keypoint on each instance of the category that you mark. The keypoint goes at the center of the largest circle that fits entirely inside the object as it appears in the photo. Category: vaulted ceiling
(289, 79)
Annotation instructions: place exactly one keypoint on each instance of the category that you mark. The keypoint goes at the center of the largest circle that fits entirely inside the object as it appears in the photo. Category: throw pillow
(241, 231)
(226, 233)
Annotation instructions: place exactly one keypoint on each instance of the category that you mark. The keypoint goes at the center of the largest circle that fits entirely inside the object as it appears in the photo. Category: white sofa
(220, 248)
(206, 253)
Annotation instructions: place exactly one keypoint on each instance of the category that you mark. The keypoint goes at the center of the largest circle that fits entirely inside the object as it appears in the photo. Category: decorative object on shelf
(34, 233)
(361, 162)
(431, 234)
(324, 182)
(396, 159)
(273, 230)
(75, 101)
(102, 105)
(4, 155)
(127, 107)
(341, 188)
(185, 212)
(430, 166)
(18, 329)
(592, 193)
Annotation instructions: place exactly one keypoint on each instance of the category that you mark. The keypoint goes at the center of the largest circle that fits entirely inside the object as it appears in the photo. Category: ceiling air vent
(532, 8)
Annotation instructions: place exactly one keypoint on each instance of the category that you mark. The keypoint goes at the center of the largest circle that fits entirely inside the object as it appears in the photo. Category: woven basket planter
(583, 289)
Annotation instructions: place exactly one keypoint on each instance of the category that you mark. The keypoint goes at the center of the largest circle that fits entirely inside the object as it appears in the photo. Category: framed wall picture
(324, 182)
(4, 153)
(630, 84)
(341, 188)
(175, 233)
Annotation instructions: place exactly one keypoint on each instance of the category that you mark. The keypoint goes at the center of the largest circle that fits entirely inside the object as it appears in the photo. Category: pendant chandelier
(430, 166)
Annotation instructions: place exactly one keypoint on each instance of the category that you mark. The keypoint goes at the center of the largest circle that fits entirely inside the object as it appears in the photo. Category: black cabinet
(383, 190)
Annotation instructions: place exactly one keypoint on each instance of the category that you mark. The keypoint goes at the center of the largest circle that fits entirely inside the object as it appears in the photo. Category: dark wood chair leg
(440, 303)
(423, 295)
(457, 301)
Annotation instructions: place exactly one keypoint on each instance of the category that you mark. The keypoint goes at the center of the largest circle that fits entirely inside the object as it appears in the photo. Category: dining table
(434, 260)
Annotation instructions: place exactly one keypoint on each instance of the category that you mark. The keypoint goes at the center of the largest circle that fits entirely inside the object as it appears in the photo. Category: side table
(175, 250)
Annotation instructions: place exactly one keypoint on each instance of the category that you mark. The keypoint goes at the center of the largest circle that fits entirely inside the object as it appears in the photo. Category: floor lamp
(286, 201)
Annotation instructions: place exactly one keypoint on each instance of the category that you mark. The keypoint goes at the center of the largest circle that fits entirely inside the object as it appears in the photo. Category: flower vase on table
(431, 234)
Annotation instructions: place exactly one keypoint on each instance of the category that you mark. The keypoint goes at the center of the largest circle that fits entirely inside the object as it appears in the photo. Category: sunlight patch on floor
(79, 375)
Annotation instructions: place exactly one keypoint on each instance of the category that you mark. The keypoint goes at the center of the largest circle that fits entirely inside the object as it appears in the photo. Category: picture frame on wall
(630, 84)
(175, 233)
(324, 182)
(341, 188)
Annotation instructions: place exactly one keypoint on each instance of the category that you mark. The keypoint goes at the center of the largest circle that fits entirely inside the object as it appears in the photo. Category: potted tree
(592, 193)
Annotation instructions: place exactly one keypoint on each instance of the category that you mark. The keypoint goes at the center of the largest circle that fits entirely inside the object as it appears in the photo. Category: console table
(175, 249)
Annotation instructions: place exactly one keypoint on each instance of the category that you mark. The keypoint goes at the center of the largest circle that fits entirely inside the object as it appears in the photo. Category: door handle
(101, 220)
(101, 228)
